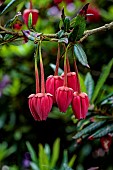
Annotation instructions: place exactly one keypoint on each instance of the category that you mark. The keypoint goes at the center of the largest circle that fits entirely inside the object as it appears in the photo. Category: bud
(80, 104)
(34, 13)
(72, 80)
(64, 97)
(40, 105)
(52, 83)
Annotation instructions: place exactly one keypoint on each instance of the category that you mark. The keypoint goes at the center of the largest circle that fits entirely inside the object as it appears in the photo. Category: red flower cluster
(62, 90)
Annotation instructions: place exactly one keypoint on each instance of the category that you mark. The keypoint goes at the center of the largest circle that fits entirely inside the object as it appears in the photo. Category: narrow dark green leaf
(89, 129)
(11, 5)
(102, 131)
(66, 24)
(101, 80)
(80, 55)
(32, 152)
(55, 153)
(89, 82)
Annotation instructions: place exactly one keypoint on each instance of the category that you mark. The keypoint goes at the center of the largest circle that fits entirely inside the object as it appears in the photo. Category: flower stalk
(42, 70)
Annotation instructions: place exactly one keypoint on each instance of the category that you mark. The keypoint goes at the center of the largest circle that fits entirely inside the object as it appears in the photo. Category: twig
(54, 37)
(96, 30)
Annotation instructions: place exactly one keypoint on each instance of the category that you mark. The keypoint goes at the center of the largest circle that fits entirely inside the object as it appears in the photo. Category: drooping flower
(33, 12)
(52, 83)
(71, 80)
(64, 94)
(40, 103)
(64, 97)
(80, 104)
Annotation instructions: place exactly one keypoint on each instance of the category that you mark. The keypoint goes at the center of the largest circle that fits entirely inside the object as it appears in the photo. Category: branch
(96, 30)
(54, 37)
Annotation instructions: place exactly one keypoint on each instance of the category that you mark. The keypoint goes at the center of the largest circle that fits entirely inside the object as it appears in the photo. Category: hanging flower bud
(40, 105)
(34, 13)
(80, 104)
(71, 80)
(52, 83)
(64, 97)
(106, 142)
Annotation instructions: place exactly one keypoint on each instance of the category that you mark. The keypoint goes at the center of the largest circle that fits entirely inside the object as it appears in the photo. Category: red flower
(52, 83)
(64, 97)
(40, 105)
(34, 13)
(80, 104)
(72, 80)
(96, 14)
(106, 142)
(57, 1)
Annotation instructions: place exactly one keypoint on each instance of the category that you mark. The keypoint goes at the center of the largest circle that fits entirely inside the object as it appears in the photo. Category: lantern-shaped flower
(72, 80)
(52, 83)
(34, 14)
(64, 97)
(80, 104)
(40, 105)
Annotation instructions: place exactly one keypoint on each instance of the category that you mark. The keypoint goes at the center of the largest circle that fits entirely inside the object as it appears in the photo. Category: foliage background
(17, 63)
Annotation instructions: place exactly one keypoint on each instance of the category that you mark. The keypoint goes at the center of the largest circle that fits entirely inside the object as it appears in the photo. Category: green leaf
(82, 84)
(101, 80)
(32, 152)
(72, 160)
(43, 159)
(93, 126)
(80, 54)
(60, 33)
(89, 82)
(79, 28)
(53, 66)
(11, 5)
(66, 24)
(102, 131)
(34, 166)
(55, 153)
